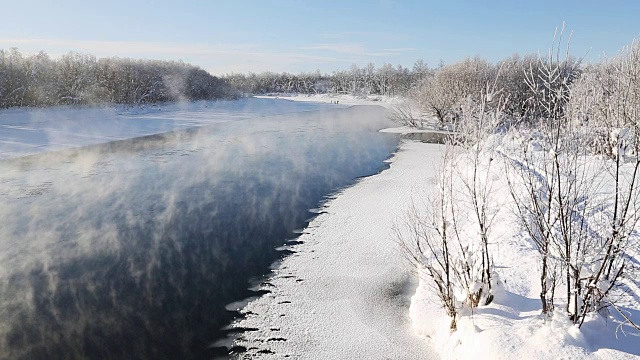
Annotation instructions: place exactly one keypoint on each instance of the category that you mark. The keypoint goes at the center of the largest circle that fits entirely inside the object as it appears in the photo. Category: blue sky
(294, 36)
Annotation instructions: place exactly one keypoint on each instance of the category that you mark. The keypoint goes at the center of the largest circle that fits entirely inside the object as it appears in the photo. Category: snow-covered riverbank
(340, 99)
(512, 326)
(345, 291)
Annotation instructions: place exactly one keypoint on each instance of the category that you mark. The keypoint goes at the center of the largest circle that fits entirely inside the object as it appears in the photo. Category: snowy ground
(512, 327)
(341, 99)
(345, 291)
(397, 106)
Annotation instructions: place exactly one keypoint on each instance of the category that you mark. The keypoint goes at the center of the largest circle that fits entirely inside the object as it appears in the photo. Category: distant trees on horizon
(386, 80)
(439, 92)
(79, 79)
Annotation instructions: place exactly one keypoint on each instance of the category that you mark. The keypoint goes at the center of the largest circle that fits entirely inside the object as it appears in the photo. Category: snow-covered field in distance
(27, 131)
(340, 99)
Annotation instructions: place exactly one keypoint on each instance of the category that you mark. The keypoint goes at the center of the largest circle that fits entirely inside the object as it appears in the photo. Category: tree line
(77, 79)
(360, 81)
(436, 91)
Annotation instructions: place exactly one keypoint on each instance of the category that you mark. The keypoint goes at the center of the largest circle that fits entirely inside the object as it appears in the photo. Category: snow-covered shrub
(513, 86)
(549, 79)
(449, 241)
(558, 187)
(607, 98)
(73, 79)
(443, 93)
(406, 113)
(578, 209)
(557, 194)
(443, 243)
(605, 101)
(562, 195)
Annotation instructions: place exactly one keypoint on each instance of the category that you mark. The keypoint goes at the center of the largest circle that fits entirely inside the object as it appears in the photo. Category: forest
(39, 80)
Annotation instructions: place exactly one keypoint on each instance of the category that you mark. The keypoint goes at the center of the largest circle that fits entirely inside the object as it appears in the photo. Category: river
(132, 249)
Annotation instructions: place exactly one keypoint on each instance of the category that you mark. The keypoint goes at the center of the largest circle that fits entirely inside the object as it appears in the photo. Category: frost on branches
(553, 163)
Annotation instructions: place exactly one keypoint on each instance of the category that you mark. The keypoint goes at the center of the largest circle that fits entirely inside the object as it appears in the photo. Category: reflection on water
(132, 249)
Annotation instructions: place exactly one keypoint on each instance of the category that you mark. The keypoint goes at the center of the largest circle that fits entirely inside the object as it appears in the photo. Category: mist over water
(27, 131)
(132, 249)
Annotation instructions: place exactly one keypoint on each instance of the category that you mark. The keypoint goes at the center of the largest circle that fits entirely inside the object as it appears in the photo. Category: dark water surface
(131, 250)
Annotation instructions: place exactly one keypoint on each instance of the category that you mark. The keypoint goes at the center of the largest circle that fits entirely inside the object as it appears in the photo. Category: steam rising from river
(131, 249)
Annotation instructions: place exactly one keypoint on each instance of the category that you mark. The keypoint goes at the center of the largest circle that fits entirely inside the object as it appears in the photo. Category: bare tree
(448, 241)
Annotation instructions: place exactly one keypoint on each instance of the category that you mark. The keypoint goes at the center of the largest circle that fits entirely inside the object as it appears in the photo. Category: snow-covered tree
(443, 93)
(38, 80)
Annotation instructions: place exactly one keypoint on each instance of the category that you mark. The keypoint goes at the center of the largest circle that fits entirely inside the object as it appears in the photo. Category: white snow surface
(344, 293)
(390, 103)
(512, 326)
(341, 99)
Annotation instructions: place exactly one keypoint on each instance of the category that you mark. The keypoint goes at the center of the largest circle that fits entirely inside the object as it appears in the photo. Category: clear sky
(296, 35)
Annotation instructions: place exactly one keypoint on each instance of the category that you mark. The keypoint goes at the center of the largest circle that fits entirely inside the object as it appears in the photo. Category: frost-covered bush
(568, 136)
(583, 237)
(580, 212)
(448, 242)
(386, 80)
(443, 93)
(607, 98)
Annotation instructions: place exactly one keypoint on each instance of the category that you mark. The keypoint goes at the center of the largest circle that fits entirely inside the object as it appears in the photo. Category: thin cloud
(356, 49)
(363, 35)
(399, 50)
(351, 49)
(217, 58)
(121, 48)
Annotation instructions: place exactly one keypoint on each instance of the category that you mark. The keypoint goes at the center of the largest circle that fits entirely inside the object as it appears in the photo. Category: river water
(132, 249)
